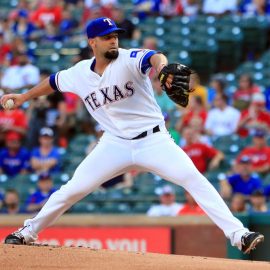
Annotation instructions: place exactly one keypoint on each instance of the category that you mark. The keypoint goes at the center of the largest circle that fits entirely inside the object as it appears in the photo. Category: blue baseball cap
(101, 27)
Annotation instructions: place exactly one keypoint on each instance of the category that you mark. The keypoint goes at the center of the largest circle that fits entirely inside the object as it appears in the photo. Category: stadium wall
(188, 235)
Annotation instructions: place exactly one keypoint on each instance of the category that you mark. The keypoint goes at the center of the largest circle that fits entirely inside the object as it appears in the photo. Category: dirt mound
(47, 257)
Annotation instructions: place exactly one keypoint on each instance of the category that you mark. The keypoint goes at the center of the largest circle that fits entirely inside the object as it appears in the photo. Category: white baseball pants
(156, 153)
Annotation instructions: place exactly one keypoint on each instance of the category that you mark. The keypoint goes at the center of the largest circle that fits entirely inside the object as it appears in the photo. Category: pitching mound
(46, 257)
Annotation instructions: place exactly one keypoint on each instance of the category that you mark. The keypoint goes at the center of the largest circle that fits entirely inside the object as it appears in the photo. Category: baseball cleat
(16, 238)
(250, 240)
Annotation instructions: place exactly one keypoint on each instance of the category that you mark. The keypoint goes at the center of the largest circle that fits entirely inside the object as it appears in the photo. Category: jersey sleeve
(63, 81)
(139, 60)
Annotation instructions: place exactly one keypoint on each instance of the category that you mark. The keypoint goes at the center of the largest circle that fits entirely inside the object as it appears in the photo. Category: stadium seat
(203, 53)
(115, 208)
(147, 190)
(52, 62)
(82, 207)
(182, 57)
(229, 47)
(141, 207)
(230, 144)
(255, 33)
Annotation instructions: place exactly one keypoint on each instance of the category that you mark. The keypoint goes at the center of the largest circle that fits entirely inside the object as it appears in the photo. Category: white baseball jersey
(122, 99)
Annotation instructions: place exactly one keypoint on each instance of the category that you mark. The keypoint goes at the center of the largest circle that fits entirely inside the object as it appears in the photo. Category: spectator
(164, 102)
(11, 204)
(22, 27)
(197, 126)
(254, 7)
(243, 94)
(150, 42)
(107, 3)
(22, 5)
(5, 27)
(218, 8)
(221, 120)
(12, 120)
(18, 47)
(5, 50)
(95, 10)
(199, 90)
(258, 152)
(49, 111)
(203, 156)
(143, 8)
(132, 32)
(70, 110)
(238, 203)
(217, 86)
(45, 158)
(56, 117)
(242, 182)
(195, 111)
(258, 202)
(170, 8)
(254, 117)
(51, 33)
(190, 207)
(36, 113)
(67, 25)
(14, 159)
(26, 74)
(39, 197)
(168, 206)
(190, 8)
(48, 12)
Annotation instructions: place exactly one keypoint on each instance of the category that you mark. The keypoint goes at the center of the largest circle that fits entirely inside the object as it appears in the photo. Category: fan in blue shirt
(45, 189)
(14, 159)
(244, 182)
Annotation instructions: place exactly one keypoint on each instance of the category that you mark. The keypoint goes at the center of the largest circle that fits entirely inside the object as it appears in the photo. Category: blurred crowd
(34, 137)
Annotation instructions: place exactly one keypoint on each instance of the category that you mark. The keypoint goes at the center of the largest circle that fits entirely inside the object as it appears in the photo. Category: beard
(111, 54)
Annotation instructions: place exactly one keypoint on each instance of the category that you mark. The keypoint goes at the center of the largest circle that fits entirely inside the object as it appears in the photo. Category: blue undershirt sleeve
(146, 61)
(53, 83)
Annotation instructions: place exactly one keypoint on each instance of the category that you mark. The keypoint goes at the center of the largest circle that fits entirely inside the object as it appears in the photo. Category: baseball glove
(179, 89)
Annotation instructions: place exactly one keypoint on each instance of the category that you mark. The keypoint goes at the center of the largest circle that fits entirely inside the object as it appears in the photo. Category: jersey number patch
(133, 54)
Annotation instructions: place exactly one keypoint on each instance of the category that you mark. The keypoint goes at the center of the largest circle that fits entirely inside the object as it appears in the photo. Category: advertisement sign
(136, 239)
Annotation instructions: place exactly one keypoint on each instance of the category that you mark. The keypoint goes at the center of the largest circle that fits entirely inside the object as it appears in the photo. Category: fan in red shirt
(254, 117)
(259, 153)
(12, 121)
(190, 207)
(242, 96)
(5, 49)
(195, 110)
(96, 10)
(203, 156)
(48, 12)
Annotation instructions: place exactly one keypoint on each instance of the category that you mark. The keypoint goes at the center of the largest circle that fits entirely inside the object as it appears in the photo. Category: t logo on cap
(108, 20)
(101, 27)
